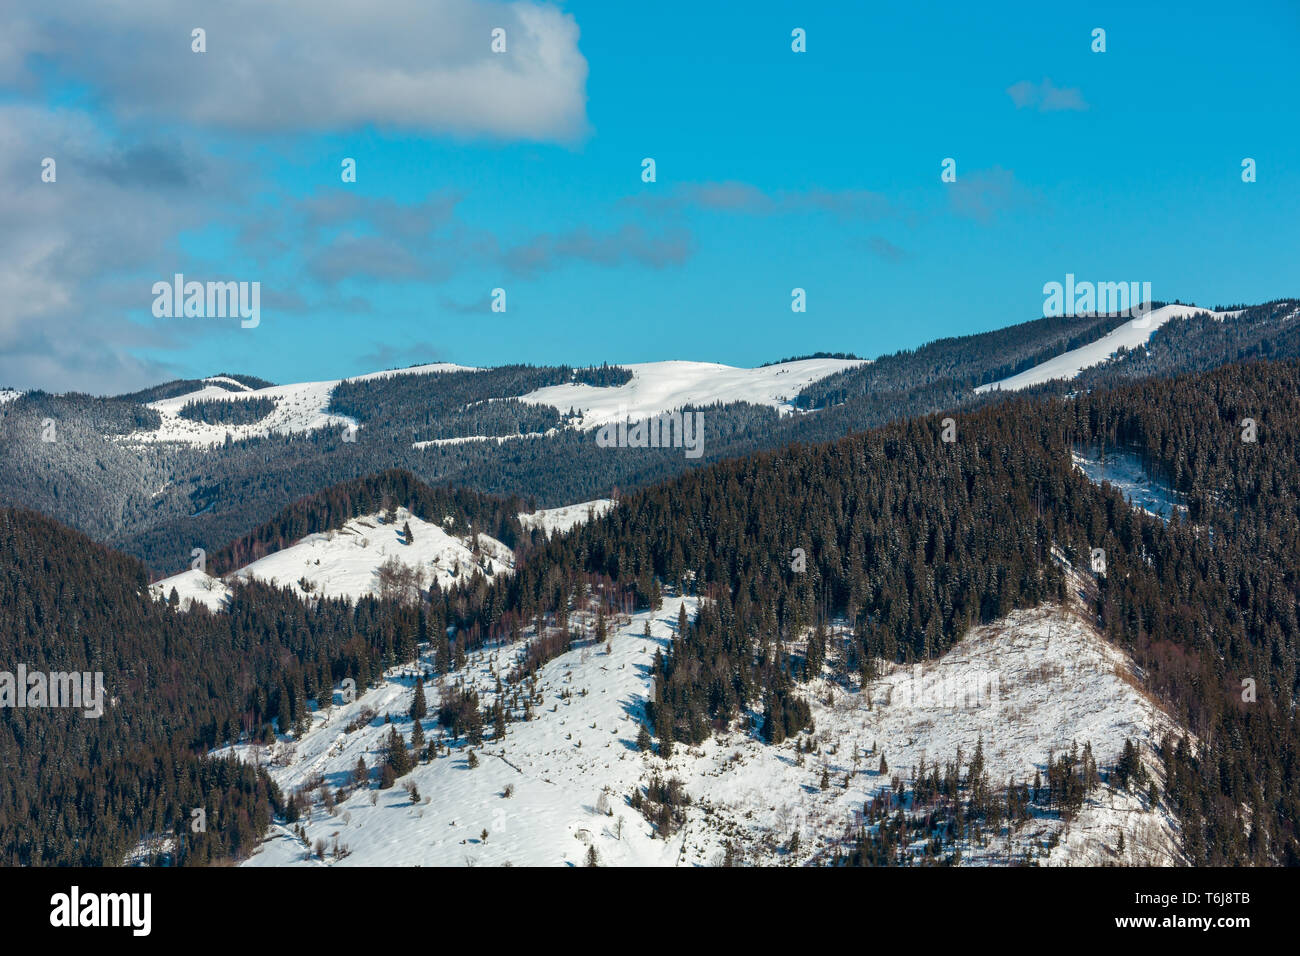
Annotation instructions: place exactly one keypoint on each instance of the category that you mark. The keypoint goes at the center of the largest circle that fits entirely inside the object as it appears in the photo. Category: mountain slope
(160, 499)
(569, 772)
(351, 562)
(1132, 334)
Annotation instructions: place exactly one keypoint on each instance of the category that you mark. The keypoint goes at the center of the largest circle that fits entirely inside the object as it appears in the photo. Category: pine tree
(395, 754)
(666, 740)
(419, 707)
(406, 533)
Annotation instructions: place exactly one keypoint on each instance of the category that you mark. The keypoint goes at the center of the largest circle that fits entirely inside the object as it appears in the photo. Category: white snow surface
(299, 407)
(193, 586)
(345, 562)
(658, 387)
(499, 439)
(8, 395)
(562, 519)
(1132, 334)
(572, 767)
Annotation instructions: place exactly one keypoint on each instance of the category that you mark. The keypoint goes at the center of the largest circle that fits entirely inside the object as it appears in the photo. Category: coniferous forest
(909, 538)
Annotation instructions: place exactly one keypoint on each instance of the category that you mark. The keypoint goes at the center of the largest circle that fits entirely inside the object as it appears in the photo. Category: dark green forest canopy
(910, 538)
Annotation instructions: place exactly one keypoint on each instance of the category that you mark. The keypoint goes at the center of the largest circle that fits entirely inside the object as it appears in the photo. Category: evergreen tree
(395, 755)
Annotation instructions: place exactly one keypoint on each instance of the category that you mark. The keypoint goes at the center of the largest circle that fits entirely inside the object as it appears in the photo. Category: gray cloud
(985, 193)
(1045, 96)
(344, 238)
(885, 249)
(89, 248)
(630, 243)
(747, 199)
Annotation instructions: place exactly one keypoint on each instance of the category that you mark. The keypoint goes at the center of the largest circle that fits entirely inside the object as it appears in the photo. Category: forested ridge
(86, 791)
(910, 538)
(458, 510)
(914, 540)
(159, 501)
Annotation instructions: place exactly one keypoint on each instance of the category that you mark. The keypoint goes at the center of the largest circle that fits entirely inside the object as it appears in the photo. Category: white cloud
(425, 65)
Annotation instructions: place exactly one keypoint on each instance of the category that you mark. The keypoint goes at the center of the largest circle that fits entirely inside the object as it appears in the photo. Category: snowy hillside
(655, 387)
(562, 519)
(192, 586)
(1132, 334)
(561, 782)
(346, 562)
(298, 407)
(658, 387)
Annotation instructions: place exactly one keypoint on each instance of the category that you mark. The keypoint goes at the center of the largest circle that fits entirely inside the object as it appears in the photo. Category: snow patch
(1123, 469)
(562, 519)
(192, 586)
(658, 387)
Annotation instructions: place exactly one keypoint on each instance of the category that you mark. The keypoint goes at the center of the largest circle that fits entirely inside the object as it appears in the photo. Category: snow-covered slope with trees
(299, 407)
(358, 559)
(1123, 469)
(658, 387)
(1132, 334)
(563, 518)
(560, 784)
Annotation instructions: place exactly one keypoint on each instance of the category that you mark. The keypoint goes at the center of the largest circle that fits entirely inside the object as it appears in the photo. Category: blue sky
(775, 169)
